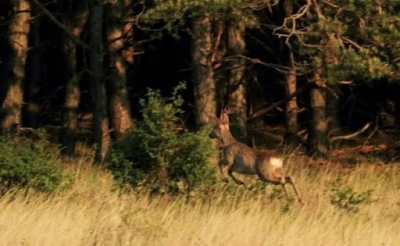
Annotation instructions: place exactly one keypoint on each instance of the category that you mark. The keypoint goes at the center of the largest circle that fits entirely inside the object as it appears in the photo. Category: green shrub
(345, 198)
(24, 163)
(158, 152)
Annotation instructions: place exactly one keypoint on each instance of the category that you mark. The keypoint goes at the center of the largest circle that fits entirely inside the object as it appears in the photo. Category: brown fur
(240, 158)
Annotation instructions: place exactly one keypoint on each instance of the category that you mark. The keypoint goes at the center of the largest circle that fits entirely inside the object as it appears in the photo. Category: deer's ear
(228, 110)
(224, 118)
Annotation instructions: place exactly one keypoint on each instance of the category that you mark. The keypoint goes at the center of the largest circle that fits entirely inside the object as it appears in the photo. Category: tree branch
(318, 11)
(330, 4)
(279, 103)
(60, 25)
(287, 34)
(347, 40)
(281, 69)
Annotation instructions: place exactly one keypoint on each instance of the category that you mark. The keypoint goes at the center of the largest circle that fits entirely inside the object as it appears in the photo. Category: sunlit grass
(92, 212)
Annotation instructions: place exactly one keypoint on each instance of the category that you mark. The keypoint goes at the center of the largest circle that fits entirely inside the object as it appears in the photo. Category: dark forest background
(313, 73)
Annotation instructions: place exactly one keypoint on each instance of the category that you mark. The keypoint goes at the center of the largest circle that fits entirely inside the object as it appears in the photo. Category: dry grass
(90, 213)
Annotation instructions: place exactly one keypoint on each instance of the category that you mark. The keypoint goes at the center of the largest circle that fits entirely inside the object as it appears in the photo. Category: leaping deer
(240, 158)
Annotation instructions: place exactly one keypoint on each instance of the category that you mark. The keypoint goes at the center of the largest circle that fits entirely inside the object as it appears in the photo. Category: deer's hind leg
(290, 180)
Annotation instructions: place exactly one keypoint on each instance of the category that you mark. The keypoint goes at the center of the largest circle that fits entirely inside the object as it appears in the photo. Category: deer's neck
(227, 138)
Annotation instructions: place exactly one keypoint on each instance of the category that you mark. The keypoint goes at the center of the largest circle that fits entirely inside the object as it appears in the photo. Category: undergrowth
(159, 152)
(25, 163)
(344, 197)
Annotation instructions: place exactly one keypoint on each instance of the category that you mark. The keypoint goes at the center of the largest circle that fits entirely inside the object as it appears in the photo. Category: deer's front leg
(221, 165)
(237, 181)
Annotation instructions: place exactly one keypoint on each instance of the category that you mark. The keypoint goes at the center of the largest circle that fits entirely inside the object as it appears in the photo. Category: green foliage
(158, 152)
(358, 41)
(25, 163)
(285, 208)
(344, 197)
(276, 193)
(176, 14)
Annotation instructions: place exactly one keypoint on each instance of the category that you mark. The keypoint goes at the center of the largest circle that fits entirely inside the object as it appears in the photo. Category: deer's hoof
(225, 180)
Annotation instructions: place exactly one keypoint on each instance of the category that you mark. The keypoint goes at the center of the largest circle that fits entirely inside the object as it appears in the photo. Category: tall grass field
(355, 206)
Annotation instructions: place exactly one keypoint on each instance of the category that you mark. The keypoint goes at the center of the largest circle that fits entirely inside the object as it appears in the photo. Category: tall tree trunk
(203, 80)
(100, 117)
(317, 142)
(236, 82)
(291, 112)
(333, 93)
(120, 109)
(31, 113)
(18, 32)
(76, 24)
(332, 96)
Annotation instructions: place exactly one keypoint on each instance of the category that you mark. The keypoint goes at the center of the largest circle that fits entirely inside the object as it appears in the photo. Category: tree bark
(317, 142)
(120, 109)
(18, 33)
(100, 117)
(292, 109)
(332, 96)
(31, 113)
(76, 24)
(203, 74)
(333, 93)
(236, 81)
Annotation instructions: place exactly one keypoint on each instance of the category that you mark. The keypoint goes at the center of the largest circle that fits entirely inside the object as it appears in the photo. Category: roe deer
(240, 158)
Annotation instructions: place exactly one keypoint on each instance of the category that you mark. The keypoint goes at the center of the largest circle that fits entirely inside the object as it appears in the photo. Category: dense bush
(24, 163)
(159, 152)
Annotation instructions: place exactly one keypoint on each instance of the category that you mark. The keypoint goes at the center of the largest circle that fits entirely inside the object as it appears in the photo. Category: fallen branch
(353, 135)
(371, 134)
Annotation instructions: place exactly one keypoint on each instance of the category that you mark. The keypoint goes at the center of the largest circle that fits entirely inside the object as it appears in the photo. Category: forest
(319, 70)
(107, 108)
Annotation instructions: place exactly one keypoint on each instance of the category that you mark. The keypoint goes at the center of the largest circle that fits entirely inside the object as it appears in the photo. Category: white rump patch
(276, 162)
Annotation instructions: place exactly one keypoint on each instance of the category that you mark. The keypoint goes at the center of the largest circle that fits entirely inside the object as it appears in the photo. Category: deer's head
(221, 124)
